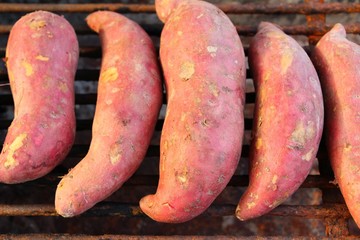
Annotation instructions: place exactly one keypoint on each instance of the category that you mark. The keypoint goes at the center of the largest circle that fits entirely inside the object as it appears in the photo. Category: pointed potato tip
(239, 214)
(96, 20)
(146, 203)
(339, 29)
(265, 24)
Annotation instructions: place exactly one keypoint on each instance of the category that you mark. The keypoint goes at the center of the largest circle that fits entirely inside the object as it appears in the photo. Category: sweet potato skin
(204, 68)
(127, 108)
(41, 59)
(164, 8)
(288, 120)
(337, 61)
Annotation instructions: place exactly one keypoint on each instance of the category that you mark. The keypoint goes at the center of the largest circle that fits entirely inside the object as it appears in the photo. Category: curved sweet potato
(204, 69)
(127, 108)
(337, 61)
(41, 58)
(288, 120)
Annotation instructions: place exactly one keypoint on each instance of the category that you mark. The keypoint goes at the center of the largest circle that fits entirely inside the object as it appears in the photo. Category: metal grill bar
(318, 30)
(117, 237)
(229, 8)
(129, 210)
(312, 181)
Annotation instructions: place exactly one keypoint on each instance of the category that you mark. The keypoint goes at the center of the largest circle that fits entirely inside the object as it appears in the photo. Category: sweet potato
(288, 120)
(128, 103)
(41, 59)
(204, 68)
(337, 61)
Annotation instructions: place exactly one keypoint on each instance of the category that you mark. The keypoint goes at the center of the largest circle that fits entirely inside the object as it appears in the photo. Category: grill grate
(316, 209)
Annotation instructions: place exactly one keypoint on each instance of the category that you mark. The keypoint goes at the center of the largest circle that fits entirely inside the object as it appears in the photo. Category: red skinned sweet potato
(288, 120)
(204, 68)
(127, 108)
(337, 61)
(41, 59)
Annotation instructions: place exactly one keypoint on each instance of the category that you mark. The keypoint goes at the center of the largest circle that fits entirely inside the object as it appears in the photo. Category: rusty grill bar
(33, 201)
(311, 7)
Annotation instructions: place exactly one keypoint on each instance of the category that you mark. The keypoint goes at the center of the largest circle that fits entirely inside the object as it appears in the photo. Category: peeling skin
(302, 133)
(14, 146)
(308, 155)
(42, 58)
(274, 179)
(212, 50)
(221, 179)
(28, 68)
(187, 70)
(273, 185)
(109, 75)
(347, 147)
(183, 177)
(258, 143)
(37, 24)
(205, 122)
(115, 153)
(168, 205)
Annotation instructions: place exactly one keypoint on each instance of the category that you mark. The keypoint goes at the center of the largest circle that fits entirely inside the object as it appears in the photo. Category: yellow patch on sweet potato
(115, 90)
(274, 179)
(286, 60)
(37, 24)
(42, 58)
(183, 116)
(302, 133)
(12, 148)
(258, 143)
(183, 177)
(251, 205)
(273, 185)
(187, 69)
(109, 75)
(28, 68)
(214, 90)
(267, 76)
(10, 75)
(63, 87)
(115, 153)
(347, 147)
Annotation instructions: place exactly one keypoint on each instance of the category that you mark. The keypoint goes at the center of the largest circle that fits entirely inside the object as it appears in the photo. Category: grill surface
(317, 209)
